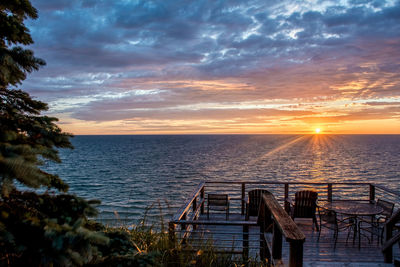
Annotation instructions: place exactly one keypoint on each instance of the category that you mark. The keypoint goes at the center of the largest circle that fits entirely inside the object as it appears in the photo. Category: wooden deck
(290, 244)
(229, 239)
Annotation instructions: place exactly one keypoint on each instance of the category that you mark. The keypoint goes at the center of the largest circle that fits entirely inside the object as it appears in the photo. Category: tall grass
(150, 245)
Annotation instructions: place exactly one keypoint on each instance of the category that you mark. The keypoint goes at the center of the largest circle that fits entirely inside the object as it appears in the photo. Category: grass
(151, 245)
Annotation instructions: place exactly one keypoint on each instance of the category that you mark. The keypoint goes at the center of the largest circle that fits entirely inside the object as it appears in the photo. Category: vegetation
(40, 229)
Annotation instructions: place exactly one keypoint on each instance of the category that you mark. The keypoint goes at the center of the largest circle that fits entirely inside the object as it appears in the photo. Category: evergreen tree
(35, 229)
(26, 137)
(47, 229)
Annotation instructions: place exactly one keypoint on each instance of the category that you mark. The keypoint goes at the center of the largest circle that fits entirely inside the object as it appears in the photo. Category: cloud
(207, 54)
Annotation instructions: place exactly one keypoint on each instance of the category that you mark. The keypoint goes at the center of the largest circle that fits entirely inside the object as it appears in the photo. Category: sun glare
(318, 130)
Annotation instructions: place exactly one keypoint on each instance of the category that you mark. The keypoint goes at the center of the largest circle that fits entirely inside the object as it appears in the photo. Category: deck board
(316, 253)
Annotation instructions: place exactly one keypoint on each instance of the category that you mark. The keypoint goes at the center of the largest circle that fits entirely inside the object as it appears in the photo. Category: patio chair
(219, 202)
(305, 204)
(253, 202)
(329, 220)
(375, 225)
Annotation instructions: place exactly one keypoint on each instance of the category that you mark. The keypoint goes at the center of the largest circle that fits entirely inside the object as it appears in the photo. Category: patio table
(353, 209)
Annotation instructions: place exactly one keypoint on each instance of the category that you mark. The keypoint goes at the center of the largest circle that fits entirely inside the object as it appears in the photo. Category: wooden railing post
(202, 200)
(329, 192)
(276, 242)
(243, 197)
(183, 225)
(184, 228)
(264, 251)
(371, 193)
(388, 254)
(296, 254)
(283, 226)
(194, 211)
(287, 204)
(245, 243)
(194, 207)
(171, 233)
(389, 242)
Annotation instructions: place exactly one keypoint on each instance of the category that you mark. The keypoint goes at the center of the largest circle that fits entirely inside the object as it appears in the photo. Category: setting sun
(318, 130)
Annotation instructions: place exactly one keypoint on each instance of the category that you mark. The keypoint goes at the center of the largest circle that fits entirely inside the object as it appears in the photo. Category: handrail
(389, 240)
(384, 188)
(185, 207)
(283, 225)
(389, 244)
(198, 209)
(214, 222)
(276, 182)
(329, 185)
(180, 213)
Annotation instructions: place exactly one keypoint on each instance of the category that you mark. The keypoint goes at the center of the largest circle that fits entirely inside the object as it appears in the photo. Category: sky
(206, 67)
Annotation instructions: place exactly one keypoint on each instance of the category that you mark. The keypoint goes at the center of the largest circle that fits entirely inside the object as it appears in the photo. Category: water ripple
(130, 173)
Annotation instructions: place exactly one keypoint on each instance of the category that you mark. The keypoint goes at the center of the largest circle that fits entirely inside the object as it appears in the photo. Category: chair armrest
(381, 219)
(288, 205)
(290, 201)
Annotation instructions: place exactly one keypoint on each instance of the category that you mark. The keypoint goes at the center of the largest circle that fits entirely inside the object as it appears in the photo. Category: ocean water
(130, 173)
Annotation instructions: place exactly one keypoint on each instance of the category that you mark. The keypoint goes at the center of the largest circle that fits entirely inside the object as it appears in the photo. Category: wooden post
(171, 233)
(245, 243)
(184, 228)
(194, 204)
(296, 254)
(202, 200)
(265, 254)
(183, 225)
(330, 192)
(388, 243)
(264, 251)
(268, 221)
(243, 197)
(388, 254)
(276, 242)
(287, 204)
(261, 223)
(194, 211)
(371, 193)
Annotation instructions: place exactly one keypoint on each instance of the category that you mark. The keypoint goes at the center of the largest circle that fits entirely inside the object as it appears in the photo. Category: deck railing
(272, 214)
(188, 218)
(390, 240)
(194, 206)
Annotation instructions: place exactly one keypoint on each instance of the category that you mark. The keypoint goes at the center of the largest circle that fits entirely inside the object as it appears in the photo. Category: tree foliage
(35, 229)
(44, 230)
(26, 137)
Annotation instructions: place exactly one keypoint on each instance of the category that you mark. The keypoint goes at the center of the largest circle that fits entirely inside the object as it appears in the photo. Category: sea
(134, 174)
